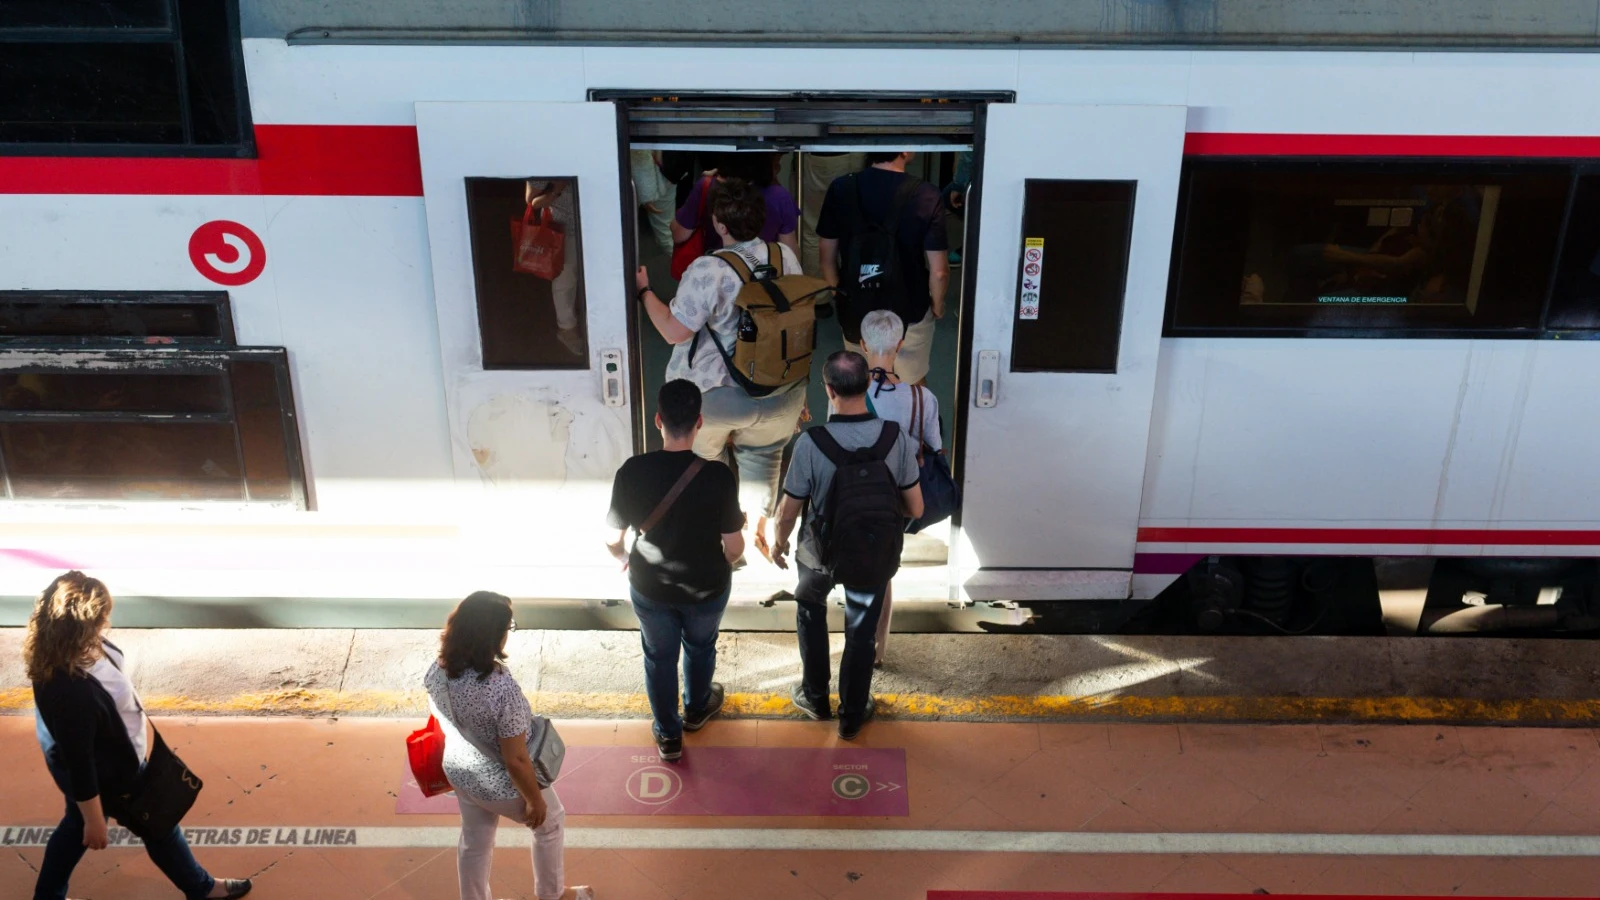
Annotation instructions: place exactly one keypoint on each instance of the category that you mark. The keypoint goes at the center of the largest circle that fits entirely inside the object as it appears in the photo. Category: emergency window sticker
(1032, 274)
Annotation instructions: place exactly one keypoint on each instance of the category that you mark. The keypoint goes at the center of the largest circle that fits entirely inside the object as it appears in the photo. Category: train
(1292, 319)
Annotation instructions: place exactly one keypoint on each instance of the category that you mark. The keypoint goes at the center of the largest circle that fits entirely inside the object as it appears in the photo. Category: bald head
(846, 373)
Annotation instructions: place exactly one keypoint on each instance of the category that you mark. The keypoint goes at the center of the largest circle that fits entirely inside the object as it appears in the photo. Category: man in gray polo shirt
(807, 486)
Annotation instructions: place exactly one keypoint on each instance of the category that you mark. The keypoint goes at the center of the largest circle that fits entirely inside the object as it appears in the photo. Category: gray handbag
(545, 746)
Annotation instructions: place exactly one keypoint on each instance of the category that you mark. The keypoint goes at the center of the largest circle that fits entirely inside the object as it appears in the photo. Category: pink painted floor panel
(717, 781)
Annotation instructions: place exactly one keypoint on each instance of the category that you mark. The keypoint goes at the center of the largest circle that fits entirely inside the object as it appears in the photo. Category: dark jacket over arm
(91, 743)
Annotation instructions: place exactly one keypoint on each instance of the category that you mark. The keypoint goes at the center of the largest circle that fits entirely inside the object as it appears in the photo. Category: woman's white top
(108, 670)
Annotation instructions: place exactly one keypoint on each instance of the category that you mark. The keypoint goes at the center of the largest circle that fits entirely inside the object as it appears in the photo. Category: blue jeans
(862, 607)
(663, 628)
(65, 848)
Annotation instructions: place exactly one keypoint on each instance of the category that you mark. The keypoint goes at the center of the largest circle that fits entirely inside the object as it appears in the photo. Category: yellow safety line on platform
(302, 701)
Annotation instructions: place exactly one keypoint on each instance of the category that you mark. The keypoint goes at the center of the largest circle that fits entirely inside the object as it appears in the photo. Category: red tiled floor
(1112, 780)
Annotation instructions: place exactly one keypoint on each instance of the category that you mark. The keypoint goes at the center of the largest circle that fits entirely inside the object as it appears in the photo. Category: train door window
(1322, 248)
(92, 76)
(134, 425)
(528, 268)
(1075, 237)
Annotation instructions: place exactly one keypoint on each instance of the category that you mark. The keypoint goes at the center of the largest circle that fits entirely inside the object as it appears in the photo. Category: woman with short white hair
(913, 406)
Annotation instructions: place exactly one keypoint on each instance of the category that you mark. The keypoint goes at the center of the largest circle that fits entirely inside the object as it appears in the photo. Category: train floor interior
(784, 810)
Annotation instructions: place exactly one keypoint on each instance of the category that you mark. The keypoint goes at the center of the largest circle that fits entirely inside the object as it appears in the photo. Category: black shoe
(804, 704)
(235, 887)
(669, 749)
(697, 721)
(849, 732)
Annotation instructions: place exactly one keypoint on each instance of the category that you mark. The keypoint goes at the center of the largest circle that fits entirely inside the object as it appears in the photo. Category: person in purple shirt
(783, 215)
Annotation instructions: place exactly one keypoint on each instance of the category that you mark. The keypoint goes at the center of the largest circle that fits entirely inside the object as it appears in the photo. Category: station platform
(783, 810)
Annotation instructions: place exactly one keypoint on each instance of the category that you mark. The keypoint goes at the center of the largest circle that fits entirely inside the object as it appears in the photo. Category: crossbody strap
(678, 487)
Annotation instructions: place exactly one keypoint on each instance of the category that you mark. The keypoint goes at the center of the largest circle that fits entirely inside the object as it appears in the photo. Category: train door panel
(1078, 206)
(532, 326)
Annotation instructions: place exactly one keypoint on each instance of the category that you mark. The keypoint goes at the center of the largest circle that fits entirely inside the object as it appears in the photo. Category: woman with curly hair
(95, 736)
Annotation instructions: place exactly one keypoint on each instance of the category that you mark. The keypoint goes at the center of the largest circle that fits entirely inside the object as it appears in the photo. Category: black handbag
(940, 496)
(164, 794)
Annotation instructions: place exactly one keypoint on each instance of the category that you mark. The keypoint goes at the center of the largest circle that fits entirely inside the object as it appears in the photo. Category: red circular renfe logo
(227, 253)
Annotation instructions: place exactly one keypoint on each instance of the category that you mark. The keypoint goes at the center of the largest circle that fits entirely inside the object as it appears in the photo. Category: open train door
(532, 335)
(1078, 204)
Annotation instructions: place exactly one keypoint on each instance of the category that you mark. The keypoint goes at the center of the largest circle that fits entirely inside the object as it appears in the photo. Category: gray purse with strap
(545, 746)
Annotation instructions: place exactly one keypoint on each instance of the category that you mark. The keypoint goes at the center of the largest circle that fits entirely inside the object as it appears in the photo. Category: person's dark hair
(678, 403)
(760, 169)
(883, 157)
(846, 372)
(740, 207)
(472, 635)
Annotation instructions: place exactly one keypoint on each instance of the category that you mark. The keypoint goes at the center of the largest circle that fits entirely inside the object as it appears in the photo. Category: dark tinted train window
(530, 316)
(145, 317)
(1575, 304)
(85, 73)
(117, 425)
(1330, 248)
(1074, 266)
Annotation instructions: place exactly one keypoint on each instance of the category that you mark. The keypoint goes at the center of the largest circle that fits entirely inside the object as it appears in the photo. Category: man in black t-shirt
(923, 263)
(680, 567)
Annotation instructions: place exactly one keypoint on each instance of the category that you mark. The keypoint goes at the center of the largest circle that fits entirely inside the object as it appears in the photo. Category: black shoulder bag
(162, 795)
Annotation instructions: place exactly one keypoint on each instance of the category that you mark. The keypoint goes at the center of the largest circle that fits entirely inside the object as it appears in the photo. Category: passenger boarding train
(1286, 306)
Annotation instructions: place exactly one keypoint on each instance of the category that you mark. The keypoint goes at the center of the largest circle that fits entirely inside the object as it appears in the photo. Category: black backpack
(871, 278)
(863, 529)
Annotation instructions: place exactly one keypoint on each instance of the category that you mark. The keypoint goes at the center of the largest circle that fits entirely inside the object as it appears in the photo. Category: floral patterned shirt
(705, 301)
(489, 710)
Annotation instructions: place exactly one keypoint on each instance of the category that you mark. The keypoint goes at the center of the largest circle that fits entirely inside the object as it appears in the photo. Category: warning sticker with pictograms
(1032, 275)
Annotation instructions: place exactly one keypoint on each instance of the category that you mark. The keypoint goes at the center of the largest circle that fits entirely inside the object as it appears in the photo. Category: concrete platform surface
(308, 809)
(976, 677)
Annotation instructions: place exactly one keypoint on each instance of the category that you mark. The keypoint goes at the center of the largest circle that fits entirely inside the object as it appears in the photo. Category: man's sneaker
(669, 749)
(697, 721)
(849, 733)
(802, 703)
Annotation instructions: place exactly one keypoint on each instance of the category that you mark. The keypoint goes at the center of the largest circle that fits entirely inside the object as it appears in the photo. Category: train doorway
(794, 147)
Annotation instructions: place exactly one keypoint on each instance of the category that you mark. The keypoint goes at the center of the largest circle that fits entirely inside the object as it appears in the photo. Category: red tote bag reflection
(538, 245)
(425, 751)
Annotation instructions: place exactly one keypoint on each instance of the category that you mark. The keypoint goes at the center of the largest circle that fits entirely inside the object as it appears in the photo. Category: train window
(1074, 265)
(1368, 249)
(1575, 303)
(102, 317)
(168, 425)
(528, 269)
(93, 75)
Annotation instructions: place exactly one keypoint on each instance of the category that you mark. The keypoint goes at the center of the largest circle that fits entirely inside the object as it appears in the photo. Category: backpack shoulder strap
(886, 440)
(740, 267)
(826, 443)
(775, 257)
(673, 494)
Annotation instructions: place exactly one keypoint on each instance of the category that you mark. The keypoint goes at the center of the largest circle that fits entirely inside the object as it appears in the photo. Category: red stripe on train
(293, 160)
(1425, 145)
(1435, 536)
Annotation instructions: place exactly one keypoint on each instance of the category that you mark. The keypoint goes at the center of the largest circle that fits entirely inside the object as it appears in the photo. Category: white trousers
(475, 853)
(820, 171)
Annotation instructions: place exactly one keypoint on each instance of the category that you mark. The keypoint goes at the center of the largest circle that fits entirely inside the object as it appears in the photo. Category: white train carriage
(1229, 355)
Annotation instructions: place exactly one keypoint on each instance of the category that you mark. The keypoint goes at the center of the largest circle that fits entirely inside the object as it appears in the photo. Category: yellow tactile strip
(1529, 711)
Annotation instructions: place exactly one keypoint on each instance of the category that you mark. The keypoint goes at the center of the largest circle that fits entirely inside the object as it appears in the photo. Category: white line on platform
(393, 837)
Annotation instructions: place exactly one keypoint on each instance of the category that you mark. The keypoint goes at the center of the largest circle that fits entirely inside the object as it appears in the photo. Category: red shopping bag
(425, 750)
(695, 247)
(538, 244)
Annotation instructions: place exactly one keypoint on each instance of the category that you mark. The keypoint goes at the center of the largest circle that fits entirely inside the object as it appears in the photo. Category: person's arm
(67, 705)
(733, 546)
(672, 331)
(790, 239)
(680, 233)
(514, 751)
(828, 256)
(617, 543)
(911, 499)
(938, 279)
(788, 514)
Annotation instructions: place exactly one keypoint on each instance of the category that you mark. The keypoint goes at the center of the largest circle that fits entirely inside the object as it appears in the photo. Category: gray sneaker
(804, 704)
